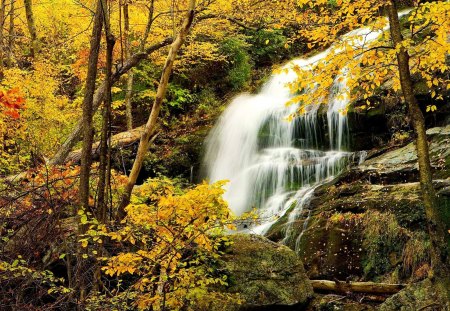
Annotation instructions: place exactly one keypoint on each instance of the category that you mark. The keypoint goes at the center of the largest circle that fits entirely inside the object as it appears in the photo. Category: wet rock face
(363, 224)
(403, 161)
(268, 276)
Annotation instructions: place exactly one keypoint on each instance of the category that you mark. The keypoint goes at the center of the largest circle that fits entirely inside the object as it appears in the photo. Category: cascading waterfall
(272, 164)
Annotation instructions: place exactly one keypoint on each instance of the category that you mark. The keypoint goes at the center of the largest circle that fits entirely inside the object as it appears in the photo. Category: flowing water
(272, 164)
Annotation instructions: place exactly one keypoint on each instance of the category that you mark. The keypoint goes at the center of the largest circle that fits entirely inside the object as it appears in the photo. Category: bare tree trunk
(130, 80)
(153, 118)
(99, 96)
(150, 19)
(2, 24)
(435, 225)
(11, 33)
(88, 133)
(129, 90)
(34, 48)
(104, 145)
(88, 106)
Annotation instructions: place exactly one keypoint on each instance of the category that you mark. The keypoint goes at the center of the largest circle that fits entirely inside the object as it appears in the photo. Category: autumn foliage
(12, 102)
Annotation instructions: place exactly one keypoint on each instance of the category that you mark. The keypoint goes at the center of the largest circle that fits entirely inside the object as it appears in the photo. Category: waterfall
(272, 164)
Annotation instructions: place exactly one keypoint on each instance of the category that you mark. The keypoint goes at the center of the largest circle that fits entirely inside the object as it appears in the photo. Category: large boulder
(266, 275)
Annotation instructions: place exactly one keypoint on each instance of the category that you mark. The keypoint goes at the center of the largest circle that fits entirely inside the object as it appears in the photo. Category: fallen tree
(120, 140)
(356, 287)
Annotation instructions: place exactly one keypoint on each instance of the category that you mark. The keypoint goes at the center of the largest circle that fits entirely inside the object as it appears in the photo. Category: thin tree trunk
(153, 118)
(34, 48)
(99, 96)
(88, 107)
(82, 266)
(150, 19)
(129, 90)
(104, 166)
(2, 24)
(130, 80)
(11, 33)
(104, 146)
(435, 225)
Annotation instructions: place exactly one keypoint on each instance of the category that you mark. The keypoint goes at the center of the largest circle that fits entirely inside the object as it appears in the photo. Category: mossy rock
(424, 295)
(330, 249)
(333, 302)
(266, 275)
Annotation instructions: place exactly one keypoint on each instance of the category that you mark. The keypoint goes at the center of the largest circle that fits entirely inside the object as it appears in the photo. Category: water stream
(272, 164)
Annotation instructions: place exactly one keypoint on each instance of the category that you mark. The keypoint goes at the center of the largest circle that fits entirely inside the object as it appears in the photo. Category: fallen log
(119, 140)
(356, 287)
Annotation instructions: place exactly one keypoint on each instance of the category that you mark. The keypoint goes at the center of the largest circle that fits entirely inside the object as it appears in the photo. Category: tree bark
(434, 222)
(129, 86)
(356, 287)
(99, 96)
(153, 118)
(86, 150)
(2, 24)
(130, 80)
(11, 34)
(104, 173)
(34, 47)
(88, 107)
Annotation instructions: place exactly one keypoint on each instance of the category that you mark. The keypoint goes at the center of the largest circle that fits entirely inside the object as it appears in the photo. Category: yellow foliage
(177, 235)
(370, 65)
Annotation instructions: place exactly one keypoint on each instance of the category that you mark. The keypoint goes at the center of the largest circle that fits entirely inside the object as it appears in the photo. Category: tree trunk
(88, 133)
(152, 120)
(129, 90)
(88, 107)
(150, 19)
(2, 24)
(34, 48)
(99, 96)
(11, 34)
(103, 178)
(130, 80)
(356, 287)
(434, 222)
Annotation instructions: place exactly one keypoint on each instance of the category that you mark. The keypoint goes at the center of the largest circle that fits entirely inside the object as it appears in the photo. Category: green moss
(265, 273)
(383, 239)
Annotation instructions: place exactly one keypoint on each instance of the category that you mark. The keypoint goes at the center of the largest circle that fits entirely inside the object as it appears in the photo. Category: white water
(275, 165)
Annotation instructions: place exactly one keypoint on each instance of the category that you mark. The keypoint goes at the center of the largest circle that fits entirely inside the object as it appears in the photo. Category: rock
(332, 244)
(403, 161)
(338, 303)
(267, 275)
(333, 232)
(419, 296)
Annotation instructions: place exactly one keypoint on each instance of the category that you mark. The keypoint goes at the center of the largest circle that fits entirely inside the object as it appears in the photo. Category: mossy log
(356, 287)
